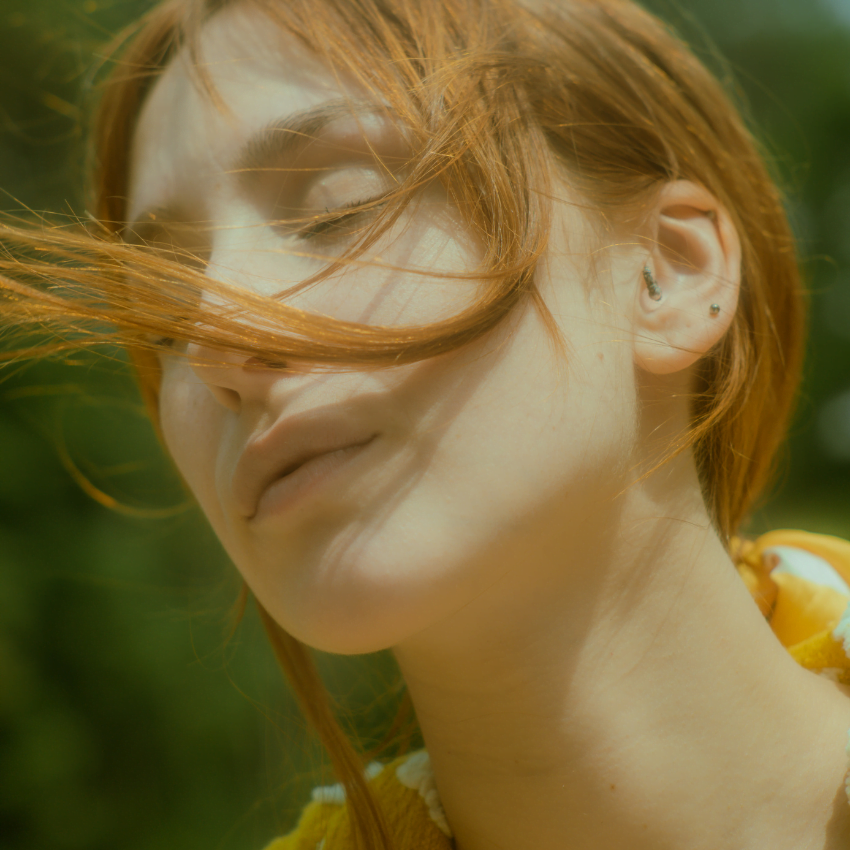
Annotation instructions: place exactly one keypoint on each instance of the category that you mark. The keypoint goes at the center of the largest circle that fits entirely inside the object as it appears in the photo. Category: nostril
(226, 397)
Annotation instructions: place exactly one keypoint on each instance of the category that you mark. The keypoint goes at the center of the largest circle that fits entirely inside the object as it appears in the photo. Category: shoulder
(407, 794)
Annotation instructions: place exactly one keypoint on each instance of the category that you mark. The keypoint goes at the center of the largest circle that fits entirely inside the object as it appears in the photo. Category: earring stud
(715, 309)
(651, 284)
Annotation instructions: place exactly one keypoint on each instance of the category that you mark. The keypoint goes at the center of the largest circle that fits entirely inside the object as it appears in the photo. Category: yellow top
(801, 583)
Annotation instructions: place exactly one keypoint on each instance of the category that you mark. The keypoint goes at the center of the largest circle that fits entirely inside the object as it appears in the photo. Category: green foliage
(127, 721)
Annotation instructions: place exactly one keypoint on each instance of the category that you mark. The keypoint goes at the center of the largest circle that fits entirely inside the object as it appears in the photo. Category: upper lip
(285, 446)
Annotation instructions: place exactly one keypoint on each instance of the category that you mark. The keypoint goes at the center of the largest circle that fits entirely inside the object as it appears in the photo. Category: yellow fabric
(824, 654)
(406, 812)
(833, 550)
(802, 614)
(804, 608)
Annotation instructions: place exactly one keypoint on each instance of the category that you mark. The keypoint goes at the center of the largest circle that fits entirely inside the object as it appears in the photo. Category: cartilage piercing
(651, 284)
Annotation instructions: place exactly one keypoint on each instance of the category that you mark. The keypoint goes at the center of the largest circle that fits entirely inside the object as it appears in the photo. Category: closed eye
(164, 343)
(340, 222)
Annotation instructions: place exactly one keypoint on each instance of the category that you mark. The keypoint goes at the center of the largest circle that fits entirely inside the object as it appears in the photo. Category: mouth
(293, 456)
(305, 476)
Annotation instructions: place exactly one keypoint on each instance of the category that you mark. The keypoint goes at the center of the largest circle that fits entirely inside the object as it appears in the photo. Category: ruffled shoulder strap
(801, 583)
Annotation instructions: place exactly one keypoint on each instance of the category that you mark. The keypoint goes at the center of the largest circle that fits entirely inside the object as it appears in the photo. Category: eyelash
(346, 213)
(164, 342)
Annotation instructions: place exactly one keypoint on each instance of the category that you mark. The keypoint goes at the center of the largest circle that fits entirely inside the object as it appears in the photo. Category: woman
(474, 327)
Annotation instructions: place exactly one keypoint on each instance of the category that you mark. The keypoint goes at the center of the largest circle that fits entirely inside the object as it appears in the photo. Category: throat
(670, 717)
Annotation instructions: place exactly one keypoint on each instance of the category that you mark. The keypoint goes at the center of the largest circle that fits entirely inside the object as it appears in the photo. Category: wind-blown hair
(499, 98)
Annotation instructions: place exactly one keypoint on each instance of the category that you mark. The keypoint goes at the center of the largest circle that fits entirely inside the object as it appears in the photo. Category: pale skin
(588, 670)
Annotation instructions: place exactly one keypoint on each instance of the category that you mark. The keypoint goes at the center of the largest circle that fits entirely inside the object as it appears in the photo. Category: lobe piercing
(652, 285)
(715, 309)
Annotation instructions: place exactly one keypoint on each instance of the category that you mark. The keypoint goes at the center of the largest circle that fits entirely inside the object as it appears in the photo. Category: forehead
(258, 73)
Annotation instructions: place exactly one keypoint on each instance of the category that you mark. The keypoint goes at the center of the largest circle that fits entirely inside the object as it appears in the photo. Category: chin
(369, 586)
(353, 605)
(336, 606)
(342, 625)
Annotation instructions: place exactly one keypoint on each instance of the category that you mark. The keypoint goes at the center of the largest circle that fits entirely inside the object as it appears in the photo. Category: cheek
(389, 287)
(190, 426)
(510, 455)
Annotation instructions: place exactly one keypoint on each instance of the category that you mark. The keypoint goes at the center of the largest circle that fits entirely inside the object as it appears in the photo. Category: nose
(234, 379)
(236, 254)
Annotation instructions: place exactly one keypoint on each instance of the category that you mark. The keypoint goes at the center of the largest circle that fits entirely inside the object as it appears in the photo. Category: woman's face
(364, 507)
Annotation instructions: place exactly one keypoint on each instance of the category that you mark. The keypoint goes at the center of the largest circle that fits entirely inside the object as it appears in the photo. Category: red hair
(498, 96)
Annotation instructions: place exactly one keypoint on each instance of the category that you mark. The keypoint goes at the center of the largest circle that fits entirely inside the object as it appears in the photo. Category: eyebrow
(284, 138)
(287, 137)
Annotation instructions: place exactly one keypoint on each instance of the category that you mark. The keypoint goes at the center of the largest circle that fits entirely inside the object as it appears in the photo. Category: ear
(695, 257)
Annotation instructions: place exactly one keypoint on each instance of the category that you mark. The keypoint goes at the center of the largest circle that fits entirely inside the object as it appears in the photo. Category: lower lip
(311, 476)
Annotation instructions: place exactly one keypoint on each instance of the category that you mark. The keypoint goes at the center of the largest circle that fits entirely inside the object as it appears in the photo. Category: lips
(287, 446)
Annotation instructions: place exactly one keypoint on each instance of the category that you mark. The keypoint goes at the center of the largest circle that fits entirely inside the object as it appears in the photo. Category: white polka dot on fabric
(416, 774)
(330, 794)
(842, 631)
(805, 564)
(335, 794)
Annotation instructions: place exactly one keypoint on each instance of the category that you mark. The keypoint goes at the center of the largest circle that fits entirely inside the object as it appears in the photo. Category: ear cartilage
(652, 284)
(715, 309)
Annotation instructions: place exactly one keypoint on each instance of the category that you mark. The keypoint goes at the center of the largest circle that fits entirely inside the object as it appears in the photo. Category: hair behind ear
(638, 111)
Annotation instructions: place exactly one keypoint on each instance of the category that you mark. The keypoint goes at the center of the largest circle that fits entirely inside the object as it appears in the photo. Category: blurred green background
(128, 720)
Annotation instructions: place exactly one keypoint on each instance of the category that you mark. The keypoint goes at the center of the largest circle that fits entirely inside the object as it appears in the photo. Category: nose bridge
(239, 255)
(233, 378)
(238, 252)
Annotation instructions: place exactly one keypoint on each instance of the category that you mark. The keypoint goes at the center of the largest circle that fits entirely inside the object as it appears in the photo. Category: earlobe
(689, 282)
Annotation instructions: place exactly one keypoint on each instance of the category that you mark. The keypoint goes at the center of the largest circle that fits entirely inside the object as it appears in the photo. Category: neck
(626, 694)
